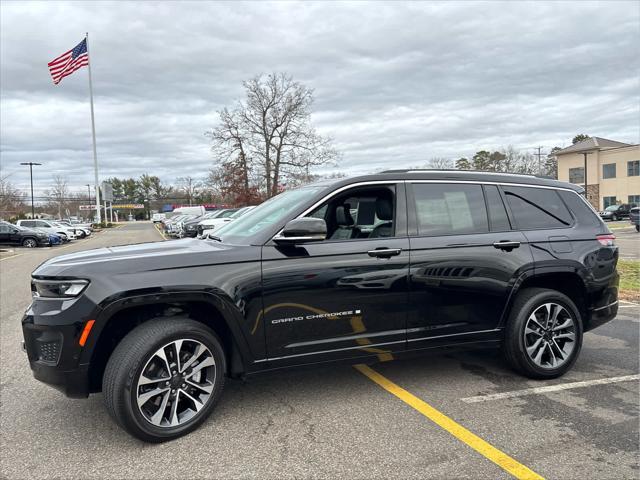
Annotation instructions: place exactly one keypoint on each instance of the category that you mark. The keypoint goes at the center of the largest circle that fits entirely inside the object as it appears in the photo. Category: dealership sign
(87, 207)
(128, 206)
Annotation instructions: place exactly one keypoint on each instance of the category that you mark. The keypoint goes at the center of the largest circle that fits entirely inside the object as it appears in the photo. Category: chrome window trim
(410, 181)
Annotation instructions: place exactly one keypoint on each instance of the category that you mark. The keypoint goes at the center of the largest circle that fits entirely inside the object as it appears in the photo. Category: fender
(216, 298)
(532, 272)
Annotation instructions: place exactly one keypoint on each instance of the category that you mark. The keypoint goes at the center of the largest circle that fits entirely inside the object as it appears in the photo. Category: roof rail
(452, 170)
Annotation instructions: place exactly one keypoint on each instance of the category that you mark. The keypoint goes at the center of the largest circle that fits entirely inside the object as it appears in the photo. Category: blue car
(54, 239)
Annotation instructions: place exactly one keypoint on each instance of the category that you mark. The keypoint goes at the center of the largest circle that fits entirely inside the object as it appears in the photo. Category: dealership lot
(336, 421)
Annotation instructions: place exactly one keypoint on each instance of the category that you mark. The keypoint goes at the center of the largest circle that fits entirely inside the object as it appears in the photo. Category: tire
(29, 243)
(532, 302)
(614, 218)
(637, 228)
(137, 353)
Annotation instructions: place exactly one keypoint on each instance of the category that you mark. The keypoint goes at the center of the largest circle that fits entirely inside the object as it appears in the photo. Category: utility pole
(585, 174)
(539, 155)
(31, 164)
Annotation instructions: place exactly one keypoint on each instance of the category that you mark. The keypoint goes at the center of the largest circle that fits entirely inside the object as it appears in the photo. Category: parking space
(451, 415)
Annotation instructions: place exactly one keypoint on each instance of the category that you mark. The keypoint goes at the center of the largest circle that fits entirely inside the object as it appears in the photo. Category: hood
(145, 257)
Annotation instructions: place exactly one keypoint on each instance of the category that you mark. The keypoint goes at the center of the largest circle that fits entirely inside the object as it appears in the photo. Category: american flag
(69, 62)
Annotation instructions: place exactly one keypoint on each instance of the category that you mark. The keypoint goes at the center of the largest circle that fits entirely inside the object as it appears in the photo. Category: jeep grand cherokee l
(353, 270)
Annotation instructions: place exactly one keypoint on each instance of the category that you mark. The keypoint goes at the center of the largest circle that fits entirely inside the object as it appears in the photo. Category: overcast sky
(395, 83)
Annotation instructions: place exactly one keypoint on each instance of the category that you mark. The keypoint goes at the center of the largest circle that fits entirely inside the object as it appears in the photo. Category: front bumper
(53, 350)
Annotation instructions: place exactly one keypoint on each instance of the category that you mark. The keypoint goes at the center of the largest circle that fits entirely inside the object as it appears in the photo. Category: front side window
(4, 229)
(449, 209)
(576, 175)
(537, 208)
(609, 203)
(609, 170)
(28, 223)
(633, 168)
(359, 213)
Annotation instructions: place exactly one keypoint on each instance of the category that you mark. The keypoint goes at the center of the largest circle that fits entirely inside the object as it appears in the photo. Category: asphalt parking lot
(339, 421)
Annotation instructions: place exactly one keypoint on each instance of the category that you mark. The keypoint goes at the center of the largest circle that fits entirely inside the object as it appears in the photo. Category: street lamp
(31, 164)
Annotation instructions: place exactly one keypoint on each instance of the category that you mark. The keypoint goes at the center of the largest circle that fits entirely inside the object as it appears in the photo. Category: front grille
(48, 346)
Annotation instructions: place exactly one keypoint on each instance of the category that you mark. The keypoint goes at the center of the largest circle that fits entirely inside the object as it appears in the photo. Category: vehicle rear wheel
(544, 334)
(164, 378)
(29, 243)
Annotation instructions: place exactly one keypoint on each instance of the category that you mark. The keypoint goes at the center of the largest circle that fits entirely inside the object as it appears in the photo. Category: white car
(81, 230)
(67, 233)
(158, 217)
(213, 224)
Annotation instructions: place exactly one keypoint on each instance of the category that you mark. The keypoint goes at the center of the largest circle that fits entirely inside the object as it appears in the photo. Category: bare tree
(189, 186)
(440, 163)
(11, 199)
(59, 194)
(269, 133)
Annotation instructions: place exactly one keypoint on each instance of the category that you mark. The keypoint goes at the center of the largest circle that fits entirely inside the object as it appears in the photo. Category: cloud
(395, 84)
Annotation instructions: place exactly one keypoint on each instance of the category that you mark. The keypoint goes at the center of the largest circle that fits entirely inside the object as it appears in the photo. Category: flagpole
(93, 134)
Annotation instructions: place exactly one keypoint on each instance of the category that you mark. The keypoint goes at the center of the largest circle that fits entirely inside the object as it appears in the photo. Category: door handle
(506, 245)
(384, 252)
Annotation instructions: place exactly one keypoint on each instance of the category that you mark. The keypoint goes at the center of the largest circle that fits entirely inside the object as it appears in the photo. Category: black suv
(616, 212)
(358, 270)
(15, 235)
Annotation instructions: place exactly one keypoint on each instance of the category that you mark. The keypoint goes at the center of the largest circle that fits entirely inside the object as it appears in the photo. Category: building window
(633, 168)
(608, 201)
(576, 175)
(634, 199)
(609, 170)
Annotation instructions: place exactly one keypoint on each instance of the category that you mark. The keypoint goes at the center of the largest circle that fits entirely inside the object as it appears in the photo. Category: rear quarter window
(537, 208)
(581, 211)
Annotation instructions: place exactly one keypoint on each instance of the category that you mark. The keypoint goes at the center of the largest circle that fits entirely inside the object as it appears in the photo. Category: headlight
(57, 288)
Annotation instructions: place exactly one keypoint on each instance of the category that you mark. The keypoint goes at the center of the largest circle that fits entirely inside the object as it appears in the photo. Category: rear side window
(449, 209)
(28, 223)
(498, 220)
(580, 209)
(537, 208)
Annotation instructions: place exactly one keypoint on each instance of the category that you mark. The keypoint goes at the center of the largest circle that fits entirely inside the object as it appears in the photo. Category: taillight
(606, 240)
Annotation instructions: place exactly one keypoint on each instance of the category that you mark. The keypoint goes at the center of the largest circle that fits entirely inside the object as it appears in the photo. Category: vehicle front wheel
(164, 378)
(29, 243)
(614, 218)
(544, 334)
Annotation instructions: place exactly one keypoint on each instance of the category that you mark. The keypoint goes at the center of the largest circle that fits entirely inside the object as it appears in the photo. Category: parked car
(191, 226)
(16, 235)
(495, 260)
(616, 212)
(634, 217)
(212, 229)
(158, 217)
(81, 231)
(54, 239)
(49, 226)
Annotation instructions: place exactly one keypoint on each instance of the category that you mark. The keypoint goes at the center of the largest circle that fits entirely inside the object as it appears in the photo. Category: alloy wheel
(30, 243)
(176, 383)
(550, 335)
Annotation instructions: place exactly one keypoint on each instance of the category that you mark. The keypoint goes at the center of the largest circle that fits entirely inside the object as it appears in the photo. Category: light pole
(31, 164)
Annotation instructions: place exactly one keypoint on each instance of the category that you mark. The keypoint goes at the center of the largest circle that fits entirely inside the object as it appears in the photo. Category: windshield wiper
(213, 237)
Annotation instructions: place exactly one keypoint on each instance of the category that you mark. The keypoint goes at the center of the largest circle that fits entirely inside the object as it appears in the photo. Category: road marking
(550, 388)
(12, 256)
(631, 304)
(159, 231)
(498, 457)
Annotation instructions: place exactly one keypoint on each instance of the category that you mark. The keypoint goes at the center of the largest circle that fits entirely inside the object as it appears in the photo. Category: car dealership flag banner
(65, 65)
(69, 62)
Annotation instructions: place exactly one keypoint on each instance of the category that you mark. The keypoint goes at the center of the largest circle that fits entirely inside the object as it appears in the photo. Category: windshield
(240, 212)
(269, 213)
(611, 208)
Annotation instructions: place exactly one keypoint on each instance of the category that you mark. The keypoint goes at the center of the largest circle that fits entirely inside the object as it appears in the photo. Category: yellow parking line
(12, 256)
(498, 457)
(160, 232)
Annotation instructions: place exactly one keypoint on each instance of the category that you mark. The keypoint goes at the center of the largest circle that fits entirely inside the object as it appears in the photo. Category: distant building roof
(592, 143)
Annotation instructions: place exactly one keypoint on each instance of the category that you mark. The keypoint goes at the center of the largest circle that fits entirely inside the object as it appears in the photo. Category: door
(5, 233)
(464, 260)
(345, 296)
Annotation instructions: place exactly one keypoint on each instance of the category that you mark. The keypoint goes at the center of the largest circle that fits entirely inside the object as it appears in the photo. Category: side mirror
(302, 230)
